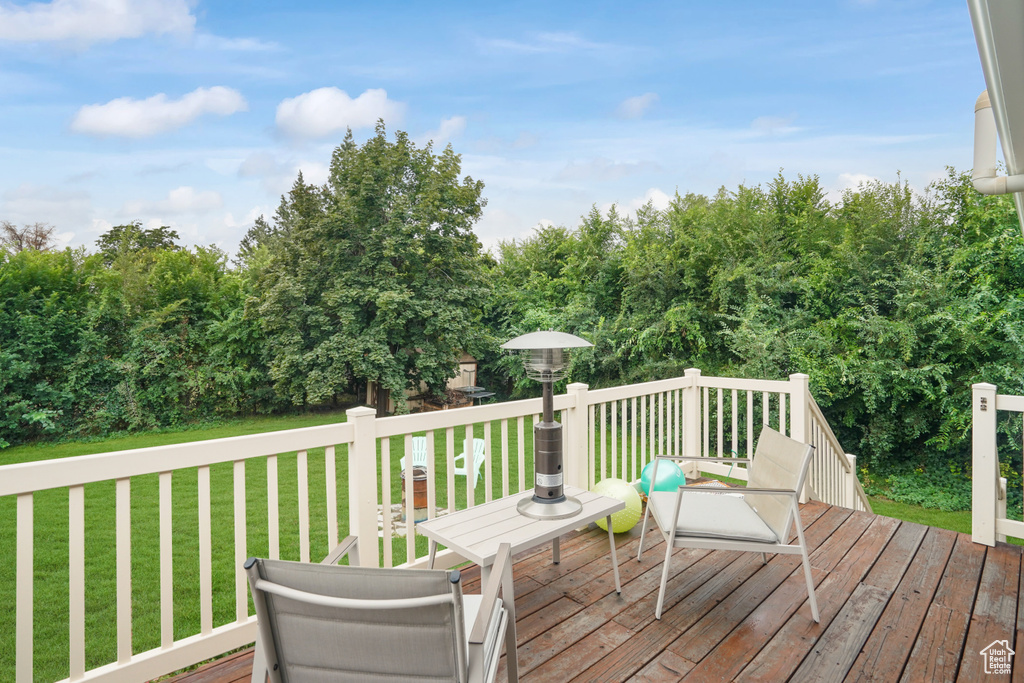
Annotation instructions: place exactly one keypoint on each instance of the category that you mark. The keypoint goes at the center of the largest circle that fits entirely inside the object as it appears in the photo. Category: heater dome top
(545, 339)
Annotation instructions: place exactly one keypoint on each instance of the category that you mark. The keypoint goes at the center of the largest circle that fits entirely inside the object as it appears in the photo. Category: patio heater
(545, 357)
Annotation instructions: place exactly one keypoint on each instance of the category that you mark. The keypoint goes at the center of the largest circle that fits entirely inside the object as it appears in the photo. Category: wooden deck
(898, 601)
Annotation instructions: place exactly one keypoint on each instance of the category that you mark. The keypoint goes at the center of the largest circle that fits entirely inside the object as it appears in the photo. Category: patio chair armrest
(500, 579)
(349, 546)
(693, 459)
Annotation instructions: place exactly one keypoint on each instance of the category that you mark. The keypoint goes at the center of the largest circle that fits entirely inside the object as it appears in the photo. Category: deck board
(898, 601)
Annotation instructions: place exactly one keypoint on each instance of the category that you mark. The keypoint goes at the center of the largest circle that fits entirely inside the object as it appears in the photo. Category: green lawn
(51, 535)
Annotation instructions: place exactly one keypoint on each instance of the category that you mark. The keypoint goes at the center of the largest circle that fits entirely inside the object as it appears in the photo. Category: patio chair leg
(764, 558)
(643, 530)
(259, 664)
(810, 588)
(664, 578)
(615, 559)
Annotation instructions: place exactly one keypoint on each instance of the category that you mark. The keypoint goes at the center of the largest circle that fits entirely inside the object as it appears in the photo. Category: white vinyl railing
(265, 500)
(989, 522)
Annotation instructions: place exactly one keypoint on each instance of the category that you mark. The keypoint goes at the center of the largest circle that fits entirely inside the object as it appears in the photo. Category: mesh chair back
(779, 463)
(317, 643)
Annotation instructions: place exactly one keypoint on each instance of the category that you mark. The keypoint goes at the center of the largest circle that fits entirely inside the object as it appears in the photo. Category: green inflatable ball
(626, 518)
(670, 477)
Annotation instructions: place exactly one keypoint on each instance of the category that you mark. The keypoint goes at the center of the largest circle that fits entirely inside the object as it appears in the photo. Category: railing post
(362, 484)
(851, 483)
(691, 421)
(799, 407)
(577, 460)
(799, 424)
(984, 464)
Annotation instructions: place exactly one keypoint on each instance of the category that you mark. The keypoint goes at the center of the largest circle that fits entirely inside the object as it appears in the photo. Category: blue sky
(198, 115)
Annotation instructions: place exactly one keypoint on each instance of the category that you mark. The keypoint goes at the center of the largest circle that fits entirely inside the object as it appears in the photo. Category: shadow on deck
(898, 601)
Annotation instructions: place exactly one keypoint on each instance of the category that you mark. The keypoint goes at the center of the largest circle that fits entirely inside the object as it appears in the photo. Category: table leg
(485, 575)
(615, 560)
(433, 551)
(555, 555)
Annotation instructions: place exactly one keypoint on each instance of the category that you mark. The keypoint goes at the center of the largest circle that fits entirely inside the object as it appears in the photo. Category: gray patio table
(476, 532)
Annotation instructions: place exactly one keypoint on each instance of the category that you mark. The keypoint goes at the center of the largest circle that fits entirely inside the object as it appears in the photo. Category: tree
(38, 237)
(133, 237)
(376, 276)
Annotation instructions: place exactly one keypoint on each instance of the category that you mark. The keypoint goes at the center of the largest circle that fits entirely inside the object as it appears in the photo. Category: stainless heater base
(538, 509)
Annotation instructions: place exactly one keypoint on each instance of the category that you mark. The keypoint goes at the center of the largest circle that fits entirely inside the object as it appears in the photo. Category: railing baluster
(410, 503)
(449, 454)
(123, 544)
(469, 462)
(669, 432)
(24, 587)
(735, 424)
(331, 491)
(719, 433)
(782, 413)
(764, 408)
(520, 427)
(205, 553)
(273, 509)
(615, 438)
(385, 499)
(604, 441)
(431, 477)
(750, 424)
(633, 432)
(303, 472)
(706, 405)
(592, 445)
(76, 581)
(241, 580)
(504, 458)
(166, 561)
(488, 474)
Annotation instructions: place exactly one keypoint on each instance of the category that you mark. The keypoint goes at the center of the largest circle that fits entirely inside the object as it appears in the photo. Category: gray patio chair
(759, 520)
(324, 622)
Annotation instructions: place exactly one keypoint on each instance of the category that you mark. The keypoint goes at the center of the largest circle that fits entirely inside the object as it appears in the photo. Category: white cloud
(128, 117)
(93, 21)
(635, 107)
(326, 111)
(542, 43)
(604, 170)
(773, 125)
(449, 129)
(66, 210)
(278, 175)
(654, 196)
(179, 201)
(852, 181)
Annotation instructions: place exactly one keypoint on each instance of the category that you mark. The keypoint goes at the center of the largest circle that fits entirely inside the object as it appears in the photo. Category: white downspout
(985, 179)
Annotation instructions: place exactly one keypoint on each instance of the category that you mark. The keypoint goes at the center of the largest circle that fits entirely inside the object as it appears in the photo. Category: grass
(51, 638)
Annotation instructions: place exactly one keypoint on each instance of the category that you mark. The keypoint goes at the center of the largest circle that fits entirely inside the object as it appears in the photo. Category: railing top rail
(1010, 403)
(632, 390)
(396, 425)
(826, 429)
(769, 385)
(86, 469)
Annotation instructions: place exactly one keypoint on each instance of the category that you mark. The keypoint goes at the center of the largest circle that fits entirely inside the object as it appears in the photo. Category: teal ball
(670, 477)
